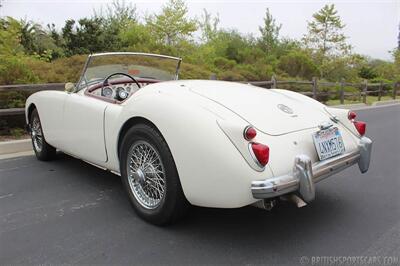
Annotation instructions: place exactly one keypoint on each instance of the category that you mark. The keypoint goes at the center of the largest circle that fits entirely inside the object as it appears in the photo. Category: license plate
(328, 143)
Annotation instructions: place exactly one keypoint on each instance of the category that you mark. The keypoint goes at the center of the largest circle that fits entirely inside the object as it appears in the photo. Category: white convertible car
(181, 142)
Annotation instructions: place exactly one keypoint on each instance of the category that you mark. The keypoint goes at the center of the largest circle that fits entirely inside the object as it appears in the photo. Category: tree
(30, 31)
(116, 18)
(325, 36)
(396, 55)
(137, 37)
(172, 24)
(209, 26)
(384, 69)
(54, 34)
(10, 37)
(269, 33)
(121, 14)
(88, 36)
(12, 58)
(232, 45)
(398, 39)
(38, 42)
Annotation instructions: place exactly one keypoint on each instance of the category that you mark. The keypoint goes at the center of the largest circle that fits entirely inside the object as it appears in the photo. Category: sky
(372, 26)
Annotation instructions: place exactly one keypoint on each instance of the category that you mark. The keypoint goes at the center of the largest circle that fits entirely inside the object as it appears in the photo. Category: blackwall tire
(43, 150)
(150, 177)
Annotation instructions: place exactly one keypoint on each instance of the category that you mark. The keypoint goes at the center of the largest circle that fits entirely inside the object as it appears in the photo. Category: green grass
(370, 100)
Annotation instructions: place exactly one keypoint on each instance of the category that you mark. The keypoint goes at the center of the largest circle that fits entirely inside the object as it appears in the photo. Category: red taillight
(249, 133)
(351, 115)
(361, 127)
(261, 152)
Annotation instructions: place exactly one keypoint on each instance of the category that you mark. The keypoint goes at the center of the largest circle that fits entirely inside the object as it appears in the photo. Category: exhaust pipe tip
(296, 200)
(269, 204)
(266, 204)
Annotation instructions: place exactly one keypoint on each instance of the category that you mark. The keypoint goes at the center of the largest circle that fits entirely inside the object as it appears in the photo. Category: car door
(83, 126)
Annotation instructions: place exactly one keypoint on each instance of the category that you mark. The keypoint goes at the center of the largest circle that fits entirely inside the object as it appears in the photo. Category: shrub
(298, 63)
(189, 71)
(14, 70)
(224, 64)
(60, 70)
(230, 75)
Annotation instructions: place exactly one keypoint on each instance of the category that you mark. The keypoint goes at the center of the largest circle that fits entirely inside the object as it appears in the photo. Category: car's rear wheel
(150, 177)
(42, 149)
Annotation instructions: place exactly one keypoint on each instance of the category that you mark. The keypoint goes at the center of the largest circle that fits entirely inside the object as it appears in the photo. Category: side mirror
(69, 87)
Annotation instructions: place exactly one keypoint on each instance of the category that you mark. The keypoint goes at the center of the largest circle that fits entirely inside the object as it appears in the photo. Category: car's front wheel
(150, 177)
(42, 149)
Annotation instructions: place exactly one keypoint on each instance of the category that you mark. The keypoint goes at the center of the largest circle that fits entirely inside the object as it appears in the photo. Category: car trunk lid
(269, 111)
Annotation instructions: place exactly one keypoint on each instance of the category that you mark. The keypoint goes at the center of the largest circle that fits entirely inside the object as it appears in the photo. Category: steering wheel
(105, 82)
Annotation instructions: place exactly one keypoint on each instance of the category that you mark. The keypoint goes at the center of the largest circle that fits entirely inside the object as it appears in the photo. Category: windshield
(137, 65)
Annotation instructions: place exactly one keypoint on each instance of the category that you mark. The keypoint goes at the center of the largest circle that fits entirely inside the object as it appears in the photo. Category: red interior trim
(123, 81)
(88, 92)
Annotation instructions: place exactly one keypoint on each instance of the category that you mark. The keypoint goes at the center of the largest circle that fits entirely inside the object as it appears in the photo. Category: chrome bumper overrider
(305, 174)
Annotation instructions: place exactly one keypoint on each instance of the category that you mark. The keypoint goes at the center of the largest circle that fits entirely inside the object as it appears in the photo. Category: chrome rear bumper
(305, 175)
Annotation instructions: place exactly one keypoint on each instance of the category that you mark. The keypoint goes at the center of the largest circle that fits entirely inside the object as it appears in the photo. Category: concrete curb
(359, 106)
(14, 146)
(16, 155)
(388, 102)
(350, 106)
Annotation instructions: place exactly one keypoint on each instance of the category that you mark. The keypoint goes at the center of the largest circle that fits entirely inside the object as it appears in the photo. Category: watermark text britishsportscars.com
(349, 260)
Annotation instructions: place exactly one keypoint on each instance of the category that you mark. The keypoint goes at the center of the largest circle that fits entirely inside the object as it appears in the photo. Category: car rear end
(299, 160)
(302, 158)
(300, 140)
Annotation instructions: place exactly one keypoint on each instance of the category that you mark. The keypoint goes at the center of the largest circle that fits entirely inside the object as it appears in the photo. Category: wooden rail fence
(364, 89)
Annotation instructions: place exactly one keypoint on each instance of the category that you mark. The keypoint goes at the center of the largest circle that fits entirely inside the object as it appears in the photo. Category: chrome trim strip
(82, 76)
(178, 67)
(136, 53)
(305, 175)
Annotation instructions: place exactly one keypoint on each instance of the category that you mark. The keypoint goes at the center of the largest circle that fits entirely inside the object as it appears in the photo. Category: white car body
(202, 122)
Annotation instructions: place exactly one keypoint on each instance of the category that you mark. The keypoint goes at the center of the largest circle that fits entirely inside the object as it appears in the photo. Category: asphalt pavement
(67, 211)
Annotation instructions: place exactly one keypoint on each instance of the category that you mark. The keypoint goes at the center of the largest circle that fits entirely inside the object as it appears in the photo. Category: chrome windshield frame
(82, 77)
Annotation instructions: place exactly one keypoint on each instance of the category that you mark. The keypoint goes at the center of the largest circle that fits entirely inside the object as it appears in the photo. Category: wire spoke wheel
(146, 174)
(36, 134)
(150, 176)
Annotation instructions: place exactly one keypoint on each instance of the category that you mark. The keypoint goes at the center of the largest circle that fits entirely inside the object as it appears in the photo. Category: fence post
(380, 91)
(273, 80)
(341, 91)
(395, 85)
(213, 76)
(365, 89)
(314, 87)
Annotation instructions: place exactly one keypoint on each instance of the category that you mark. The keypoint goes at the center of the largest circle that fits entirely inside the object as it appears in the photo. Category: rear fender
(212, 171)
